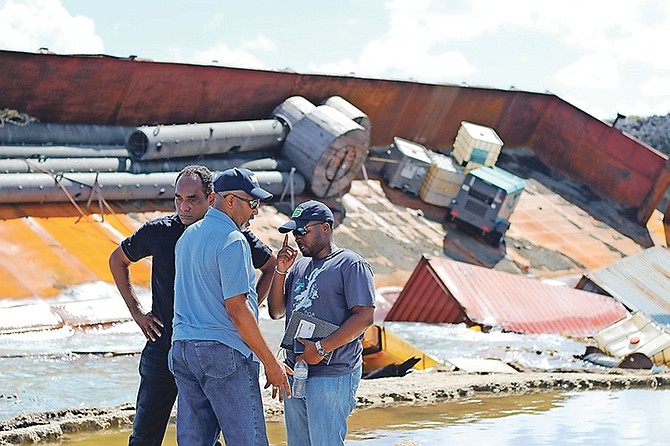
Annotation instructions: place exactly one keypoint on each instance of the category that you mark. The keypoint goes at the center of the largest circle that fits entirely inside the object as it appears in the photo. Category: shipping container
(442, 290)
(477, 144)
(486, 201)
(408, 167)
(636, 333)
(443, 180)
(641, 282)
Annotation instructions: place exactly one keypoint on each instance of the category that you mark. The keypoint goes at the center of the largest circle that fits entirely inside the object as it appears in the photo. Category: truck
(486, 201)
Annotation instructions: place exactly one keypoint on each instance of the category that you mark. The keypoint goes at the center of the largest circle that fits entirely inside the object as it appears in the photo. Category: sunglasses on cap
(253, 203)
(304, 230)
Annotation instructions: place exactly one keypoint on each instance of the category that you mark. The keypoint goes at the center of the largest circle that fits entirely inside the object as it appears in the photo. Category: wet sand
(437, 385)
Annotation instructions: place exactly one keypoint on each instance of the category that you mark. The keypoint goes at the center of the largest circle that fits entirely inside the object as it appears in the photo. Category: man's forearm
(265, 279)
(276, 298)
(247, 326)
(119, 266)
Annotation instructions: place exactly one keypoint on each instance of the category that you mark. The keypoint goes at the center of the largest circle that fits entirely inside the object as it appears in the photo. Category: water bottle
(300, 371)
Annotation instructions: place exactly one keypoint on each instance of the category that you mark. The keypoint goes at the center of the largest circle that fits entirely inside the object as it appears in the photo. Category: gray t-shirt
(328, 288)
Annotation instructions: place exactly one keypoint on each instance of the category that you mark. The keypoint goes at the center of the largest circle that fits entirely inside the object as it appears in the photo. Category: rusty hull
(115, 91)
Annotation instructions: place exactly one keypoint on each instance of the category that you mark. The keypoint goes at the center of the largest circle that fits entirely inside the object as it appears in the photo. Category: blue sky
(605, 57)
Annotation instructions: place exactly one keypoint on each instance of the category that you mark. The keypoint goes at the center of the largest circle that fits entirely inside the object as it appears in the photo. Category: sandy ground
(428, 387)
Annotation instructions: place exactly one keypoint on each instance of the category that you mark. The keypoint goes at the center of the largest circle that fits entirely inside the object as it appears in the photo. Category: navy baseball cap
(311, 210)
(240, 179)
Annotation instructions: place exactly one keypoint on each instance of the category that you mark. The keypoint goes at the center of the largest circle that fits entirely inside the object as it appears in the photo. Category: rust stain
(125, 92)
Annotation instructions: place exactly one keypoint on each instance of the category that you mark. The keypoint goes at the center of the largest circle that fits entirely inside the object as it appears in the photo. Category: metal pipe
(175, 141)
(63, 152)
(117, 186)
(69, 165)
(252, 161)
(65, 134)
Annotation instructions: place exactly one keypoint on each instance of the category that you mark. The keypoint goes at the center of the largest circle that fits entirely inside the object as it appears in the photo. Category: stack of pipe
(302, 144)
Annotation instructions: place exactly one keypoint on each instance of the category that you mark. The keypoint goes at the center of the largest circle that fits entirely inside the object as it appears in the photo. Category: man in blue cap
(157, 392)
(216, 341)
(335, 285)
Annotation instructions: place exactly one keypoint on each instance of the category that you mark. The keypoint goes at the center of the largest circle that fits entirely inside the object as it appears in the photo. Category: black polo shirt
(157, 239)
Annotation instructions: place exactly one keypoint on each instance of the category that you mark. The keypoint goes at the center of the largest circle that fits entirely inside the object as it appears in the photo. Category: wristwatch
(319, 349)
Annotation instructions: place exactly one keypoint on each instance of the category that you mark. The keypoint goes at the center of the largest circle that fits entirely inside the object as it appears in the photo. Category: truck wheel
(493, 238)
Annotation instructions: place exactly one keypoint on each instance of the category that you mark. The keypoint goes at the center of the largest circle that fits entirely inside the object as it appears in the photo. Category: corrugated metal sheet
(641, 282)
(113, 91)
(444, 290)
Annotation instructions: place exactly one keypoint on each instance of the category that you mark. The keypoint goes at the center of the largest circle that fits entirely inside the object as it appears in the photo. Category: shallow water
(97, 367)
(626, 418)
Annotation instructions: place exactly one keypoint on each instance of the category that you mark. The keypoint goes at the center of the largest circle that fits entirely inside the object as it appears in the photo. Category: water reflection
(626, 418)
(630, 417)
(97, 367)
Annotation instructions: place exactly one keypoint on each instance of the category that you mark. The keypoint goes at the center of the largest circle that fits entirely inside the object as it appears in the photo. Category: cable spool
(350, 111)
(292, 110)
(328, 149)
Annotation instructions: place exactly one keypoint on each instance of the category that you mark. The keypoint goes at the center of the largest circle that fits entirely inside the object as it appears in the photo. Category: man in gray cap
(335, 285)
(216, 341)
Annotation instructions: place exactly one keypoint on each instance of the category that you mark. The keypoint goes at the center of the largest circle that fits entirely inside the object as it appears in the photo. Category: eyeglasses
(253, 204)
(304, 230)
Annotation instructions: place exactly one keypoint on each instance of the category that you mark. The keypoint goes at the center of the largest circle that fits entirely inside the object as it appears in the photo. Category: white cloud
(656, 86)
(243, 56)
(259, 43)
(401, 60)
(224, 55)
(645, 108)
(593, 71)
(343, 66)
(409, 48)
(28, 25)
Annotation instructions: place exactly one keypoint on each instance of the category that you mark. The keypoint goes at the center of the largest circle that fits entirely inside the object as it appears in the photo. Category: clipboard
(304, 326)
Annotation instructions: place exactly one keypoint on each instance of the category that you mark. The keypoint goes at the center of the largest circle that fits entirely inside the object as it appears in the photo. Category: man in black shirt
(194, 193)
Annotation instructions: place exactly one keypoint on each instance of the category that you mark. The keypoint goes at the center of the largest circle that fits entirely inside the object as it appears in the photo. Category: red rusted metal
(441, 290)
(113, 91)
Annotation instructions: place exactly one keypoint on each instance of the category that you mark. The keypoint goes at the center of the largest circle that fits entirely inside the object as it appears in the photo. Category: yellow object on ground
(382, 348)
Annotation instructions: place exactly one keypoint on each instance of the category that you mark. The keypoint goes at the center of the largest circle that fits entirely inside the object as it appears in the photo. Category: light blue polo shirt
(212, 263)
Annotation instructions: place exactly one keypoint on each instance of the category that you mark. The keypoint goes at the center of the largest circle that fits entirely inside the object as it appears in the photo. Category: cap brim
(288, 226)
(260, 193)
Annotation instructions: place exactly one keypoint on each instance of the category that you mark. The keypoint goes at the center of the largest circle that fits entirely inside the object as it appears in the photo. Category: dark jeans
(155, 398)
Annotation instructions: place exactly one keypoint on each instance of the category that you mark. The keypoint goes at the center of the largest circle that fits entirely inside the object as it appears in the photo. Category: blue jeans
(218, 392)
(155, 398)
(320, 419)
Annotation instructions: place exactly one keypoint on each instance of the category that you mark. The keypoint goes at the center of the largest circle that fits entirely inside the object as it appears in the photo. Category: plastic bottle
(300, 371)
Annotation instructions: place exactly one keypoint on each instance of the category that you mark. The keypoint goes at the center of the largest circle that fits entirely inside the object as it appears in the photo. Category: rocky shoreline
(435, 386)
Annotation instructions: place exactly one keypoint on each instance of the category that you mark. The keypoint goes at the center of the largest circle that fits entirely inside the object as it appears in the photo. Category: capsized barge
(128, 93)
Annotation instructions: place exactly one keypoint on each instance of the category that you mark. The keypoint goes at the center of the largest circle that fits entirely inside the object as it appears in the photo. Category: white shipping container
(442, 182)
(410, 166)
(476, 143)
(636, 333)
